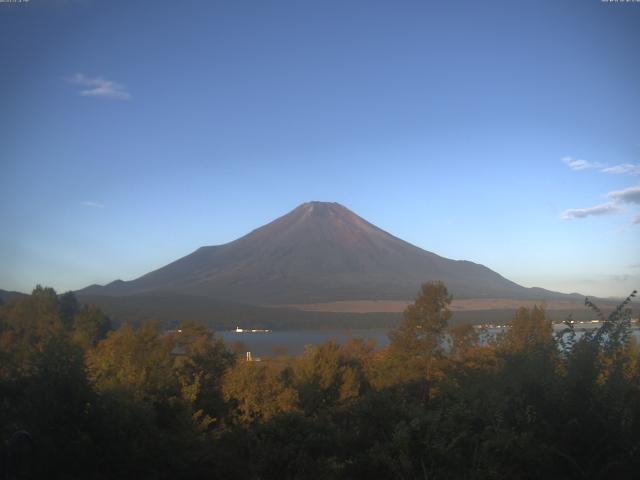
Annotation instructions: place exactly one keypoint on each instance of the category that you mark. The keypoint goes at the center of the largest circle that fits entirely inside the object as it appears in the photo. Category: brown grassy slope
(461, 305)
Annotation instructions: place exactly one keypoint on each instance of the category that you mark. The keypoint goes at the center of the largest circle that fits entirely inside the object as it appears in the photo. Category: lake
(293, 342)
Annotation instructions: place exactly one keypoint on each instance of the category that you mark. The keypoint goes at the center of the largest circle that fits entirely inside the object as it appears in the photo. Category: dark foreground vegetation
(78, 400)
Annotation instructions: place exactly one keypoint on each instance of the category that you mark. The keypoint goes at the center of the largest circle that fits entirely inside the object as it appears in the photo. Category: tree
(463, 338)
(68, 308)
(425, 321)
(27, 324)
(259, 390)
(138, 362)
(200, 365)
(418, 343)
(531, 331)
(327, 374)
(90, 325)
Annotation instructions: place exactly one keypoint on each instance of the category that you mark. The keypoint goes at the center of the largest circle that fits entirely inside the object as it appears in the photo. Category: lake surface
(293, 342)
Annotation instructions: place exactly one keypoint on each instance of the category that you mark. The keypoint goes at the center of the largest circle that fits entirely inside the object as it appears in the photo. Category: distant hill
(6, 296)
(319, 252)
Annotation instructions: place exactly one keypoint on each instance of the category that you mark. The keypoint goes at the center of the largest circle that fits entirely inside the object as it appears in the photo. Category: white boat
(255, 330)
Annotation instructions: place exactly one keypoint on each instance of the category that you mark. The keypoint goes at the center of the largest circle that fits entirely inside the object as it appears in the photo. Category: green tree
(201, 362)
(425, 321)
(27, 324)
(463, 338)
(327, 375)
(417, 345)
(531, 331)
(135, 361)
(90, 326)
(68, 304)
(259, 391)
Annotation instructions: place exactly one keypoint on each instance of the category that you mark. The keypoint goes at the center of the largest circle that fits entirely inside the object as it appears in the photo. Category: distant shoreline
(460, 305)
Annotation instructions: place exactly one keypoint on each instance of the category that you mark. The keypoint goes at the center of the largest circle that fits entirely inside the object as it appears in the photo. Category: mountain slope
(6, 296)
(318, 252)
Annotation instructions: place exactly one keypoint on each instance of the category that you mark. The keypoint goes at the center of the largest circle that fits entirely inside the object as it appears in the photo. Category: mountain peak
(316, 222)
(331, 212)
(316, 207)
(319, 204)
(319, 251)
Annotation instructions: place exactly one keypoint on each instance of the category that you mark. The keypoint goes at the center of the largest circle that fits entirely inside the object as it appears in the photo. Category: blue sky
(506, 133)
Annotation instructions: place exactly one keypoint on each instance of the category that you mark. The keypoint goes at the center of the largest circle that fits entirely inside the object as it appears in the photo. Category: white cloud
(99, 87)
(606, 209)
(87, 203)
(632, 168)
(578, 164)
(628, 195)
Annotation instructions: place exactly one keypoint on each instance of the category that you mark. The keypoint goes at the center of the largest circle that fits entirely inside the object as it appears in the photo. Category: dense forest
(79, 399)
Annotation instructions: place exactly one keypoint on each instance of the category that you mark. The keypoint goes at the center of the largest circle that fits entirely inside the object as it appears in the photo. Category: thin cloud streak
(636, 219)
(628, 195)
(632, 168)
(579, 164)
(598, 210)
(99, 87)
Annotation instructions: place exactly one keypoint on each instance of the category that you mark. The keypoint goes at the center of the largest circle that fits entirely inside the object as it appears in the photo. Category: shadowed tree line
(439, 402)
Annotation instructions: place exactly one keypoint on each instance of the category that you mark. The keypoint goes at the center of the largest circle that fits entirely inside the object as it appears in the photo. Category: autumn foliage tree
(418, 344)
(441, 401)
(425, 322)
